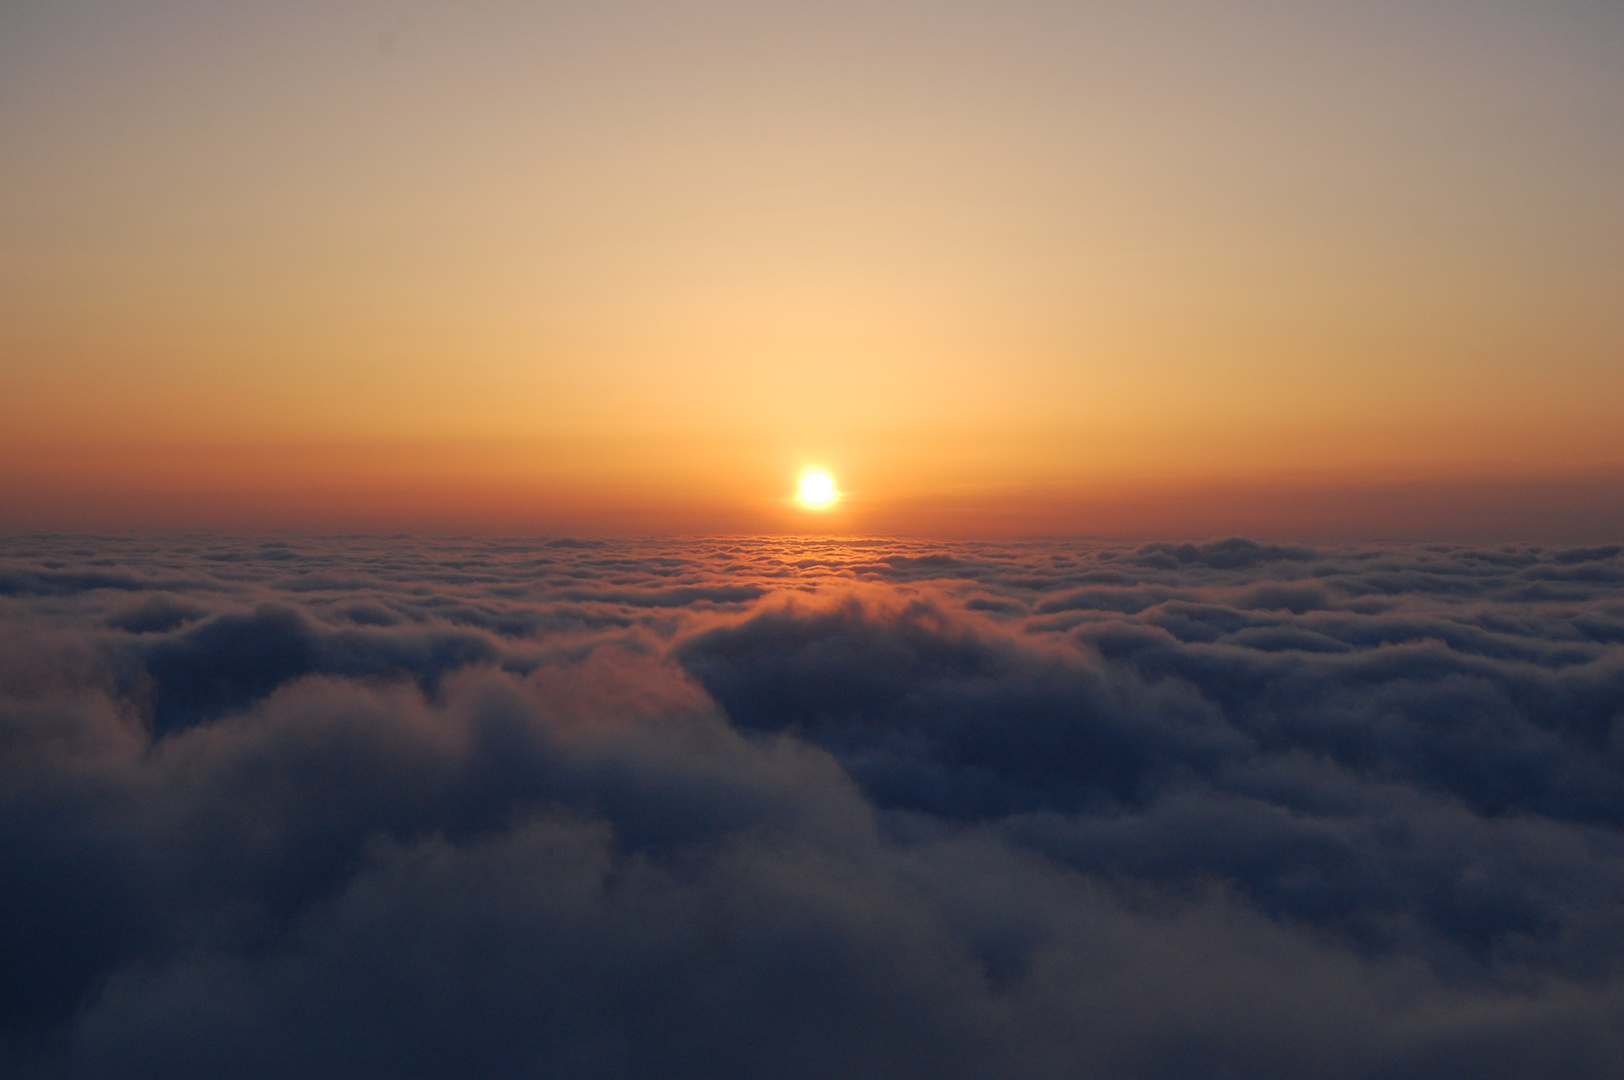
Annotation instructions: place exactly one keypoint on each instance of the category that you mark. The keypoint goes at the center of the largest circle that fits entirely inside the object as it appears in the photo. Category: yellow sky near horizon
(616, 256)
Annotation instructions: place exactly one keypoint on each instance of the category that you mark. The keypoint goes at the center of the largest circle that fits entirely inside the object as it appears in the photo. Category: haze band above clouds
(791, 808)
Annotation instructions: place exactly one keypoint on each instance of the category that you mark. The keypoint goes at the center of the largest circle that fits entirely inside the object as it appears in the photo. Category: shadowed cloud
(801, 808)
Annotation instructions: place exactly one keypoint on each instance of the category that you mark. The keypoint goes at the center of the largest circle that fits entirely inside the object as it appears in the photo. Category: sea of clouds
(793, 808)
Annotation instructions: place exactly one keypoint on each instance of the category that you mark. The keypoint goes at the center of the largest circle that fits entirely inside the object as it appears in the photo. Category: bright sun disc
(817, 490)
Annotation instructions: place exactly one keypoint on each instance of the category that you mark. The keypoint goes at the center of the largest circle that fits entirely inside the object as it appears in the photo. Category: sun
(816, 490)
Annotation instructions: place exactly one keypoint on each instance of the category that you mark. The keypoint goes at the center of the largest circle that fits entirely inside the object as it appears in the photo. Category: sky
(809, 807)
(1205, 657)
(1115, 269)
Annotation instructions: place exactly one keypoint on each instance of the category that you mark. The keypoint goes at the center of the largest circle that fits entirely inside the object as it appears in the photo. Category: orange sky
(619, 267)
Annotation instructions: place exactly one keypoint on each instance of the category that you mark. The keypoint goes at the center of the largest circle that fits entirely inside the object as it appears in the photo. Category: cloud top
(763, 807)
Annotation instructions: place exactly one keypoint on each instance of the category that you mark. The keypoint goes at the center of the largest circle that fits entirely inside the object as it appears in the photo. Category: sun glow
(816, 490)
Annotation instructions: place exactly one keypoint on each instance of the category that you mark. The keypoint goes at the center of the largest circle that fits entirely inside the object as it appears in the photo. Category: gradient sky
(630, 267)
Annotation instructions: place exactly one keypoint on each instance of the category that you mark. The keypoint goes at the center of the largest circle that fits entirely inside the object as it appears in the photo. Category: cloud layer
(744, 808)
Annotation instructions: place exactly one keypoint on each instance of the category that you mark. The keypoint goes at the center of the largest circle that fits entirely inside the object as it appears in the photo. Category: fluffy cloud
(743, 808)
